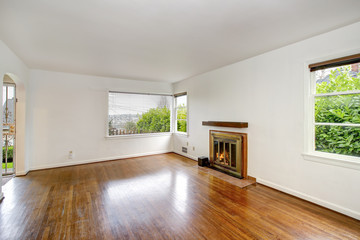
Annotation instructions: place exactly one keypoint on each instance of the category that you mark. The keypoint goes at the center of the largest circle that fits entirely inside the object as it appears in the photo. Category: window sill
(333, 159)
(138, 135)
(181, 134)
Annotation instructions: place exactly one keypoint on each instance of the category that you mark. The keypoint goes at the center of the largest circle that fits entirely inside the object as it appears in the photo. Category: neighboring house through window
(137, 113)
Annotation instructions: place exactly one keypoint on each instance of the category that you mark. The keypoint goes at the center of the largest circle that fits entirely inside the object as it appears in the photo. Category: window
(335, 100)
(9, 102)
(181, 113)
(133, 113)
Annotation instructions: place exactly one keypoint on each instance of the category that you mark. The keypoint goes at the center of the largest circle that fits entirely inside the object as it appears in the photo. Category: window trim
(309, 115)
(333, 159)
(137, 135)
(180, 94)
(141, 93)
(187, 114)
(335, 62)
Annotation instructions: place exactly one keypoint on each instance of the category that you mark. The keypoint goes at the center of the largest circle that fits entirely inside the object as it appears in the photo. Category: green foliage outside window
(9, 165)
(181, 119)
(340, 81)
(10, 154)
(154, 120)
(181, 126)
(338, 109)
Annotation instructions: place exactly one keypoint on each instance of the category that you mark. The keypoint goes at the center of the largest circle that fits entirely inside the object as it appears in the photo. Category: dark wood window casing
(335, 62)
(180, 94)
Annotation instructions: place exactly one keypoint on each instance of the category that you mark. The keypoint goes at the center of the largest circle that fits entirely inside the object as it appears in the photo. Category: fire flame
(223, 157)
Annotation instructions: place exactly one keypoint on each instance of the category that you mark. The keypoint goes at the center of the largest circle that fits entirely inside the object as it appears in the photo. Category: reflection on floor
(5, 179)
(157, 197)
(241, 183)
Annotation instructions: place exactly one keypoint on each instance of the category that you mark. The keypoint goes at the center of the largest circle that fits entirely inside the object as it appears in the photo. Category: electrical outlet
(187, 143)
(184, 149)
(193, 148)
(71, 155)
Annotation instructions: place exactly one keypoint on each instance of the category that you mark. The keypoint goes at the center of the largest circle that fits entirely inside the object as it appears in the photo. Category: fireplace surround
(228, 152)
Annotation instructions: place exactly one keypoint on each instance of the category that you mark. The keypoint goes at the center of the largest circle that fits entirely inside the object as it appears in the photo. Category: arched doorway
(9, 126)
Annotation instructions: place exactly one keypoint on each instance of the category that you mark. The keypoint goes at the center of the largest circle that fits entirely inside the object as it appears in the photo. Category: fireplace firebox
(228, 152)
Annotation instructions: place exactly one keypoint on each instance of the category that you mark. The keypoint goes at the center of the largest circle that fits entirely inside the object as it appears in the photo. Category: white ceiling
(160, 40)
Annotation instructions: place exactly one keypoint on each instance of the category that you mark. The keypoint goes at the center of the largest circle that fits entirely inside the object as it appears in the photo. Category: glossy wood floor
(157, 197)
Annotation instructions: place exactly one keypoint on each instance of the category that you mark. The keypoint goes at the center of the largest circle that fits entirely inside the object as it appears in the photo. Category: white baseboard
(309, 198)
(21, 173)
(55, 165)
(186, 155)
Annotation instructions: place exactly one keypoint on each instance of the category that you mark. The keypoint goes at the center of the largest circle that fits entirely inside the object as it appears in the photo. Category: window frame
(137, 135)
(309, 137)
(175, 113)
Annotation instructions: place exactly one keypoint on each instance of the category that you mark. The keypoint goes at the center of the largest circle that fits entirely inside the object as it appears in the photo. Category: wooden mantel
(225, 124)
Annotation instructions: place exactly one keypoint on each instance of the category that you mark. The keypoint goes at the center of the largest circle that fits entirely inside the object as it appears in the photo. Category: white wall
(268, 92)
(68, 112)
(12, 65)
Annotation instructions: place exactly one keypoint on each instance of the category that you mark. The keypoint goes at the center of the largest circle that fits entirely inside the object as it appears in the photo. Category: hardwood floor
(6, 179)
(157, 197)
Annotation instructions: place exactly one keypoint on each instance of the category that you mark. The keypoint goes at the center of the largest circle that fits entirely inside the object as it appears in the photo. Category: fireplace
(228, 152)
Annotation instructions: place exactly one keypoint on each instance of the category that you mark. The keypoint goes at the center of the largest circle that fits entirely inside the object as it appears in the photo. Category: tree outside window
(181, 113)
(337, 110)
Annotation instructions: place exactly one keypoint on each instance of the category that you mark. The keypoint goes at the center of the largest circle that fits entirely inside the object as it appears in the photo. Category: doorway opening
(9, 126)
